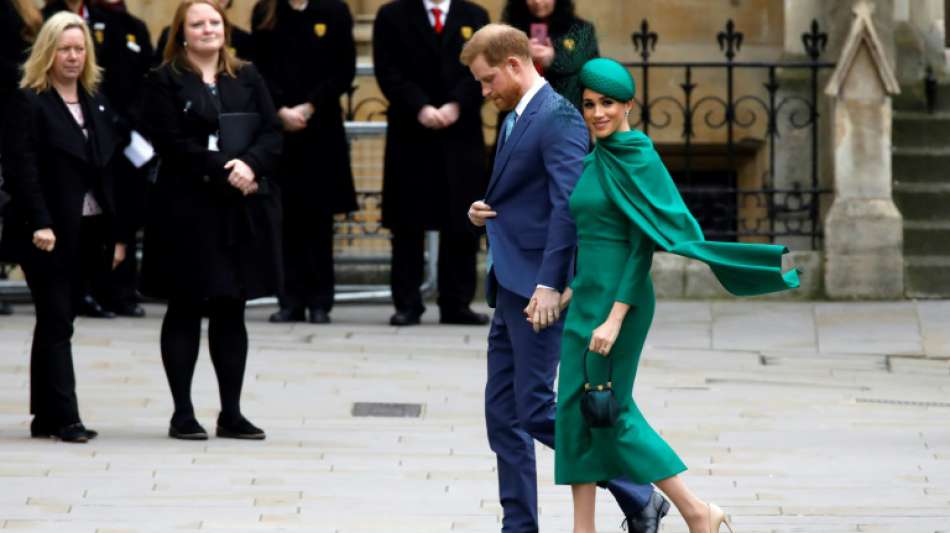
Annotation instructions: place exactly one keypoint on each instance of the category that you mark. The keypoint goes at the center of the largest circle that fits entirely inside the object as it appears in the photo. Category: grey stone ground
(795, 417)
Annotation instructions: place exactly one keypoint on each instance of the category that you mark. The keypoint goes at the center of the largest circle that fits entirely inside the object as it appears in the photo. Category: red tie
(437, 13)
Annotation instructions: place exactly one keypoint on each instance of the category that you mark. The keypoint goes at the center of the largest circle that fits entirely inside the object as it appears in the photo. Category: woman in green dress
(625, 206)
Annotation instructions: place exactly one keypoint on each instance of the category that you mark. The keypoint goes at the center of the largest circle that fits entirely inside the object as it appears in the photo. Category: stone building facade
(912, 40)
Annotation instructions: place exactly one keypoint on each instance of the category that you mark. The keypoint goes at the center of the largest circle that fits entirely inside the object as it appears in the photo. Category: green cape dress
(626, 206)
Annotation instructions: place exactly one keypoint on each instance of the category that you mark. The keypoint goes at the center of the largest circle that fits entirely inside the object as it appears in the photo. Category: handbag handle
(610, 372)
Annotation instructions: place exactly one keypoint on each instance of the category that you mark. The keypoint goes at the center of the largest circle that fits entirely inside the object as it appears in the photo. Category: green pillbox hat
(609, 78)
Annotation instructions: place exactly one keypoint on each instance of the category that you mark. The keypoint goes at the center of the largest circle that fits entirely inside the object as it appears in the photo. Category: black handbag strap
(610, 371)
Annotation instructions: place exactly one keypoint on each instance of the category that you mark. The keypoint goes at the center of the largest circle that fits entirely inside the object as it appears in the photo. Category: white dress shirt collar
(443, 5)
(538, 84)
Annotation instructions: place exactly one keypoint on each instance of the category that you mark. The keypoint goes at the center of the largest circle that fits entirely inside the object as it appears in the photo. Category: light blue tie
(508, 125)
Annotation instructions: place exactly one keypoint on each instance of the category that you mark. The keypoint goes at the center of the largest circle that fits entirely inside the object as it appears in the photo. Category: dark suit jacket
(202, 237)
(13, 48)
(310, 56)
(532, 239)
(49, 166)
(431, 177)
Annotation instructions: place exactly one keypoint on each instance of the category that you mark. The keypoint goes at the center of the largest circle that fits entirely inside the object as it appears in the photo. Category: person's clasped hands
(242, 176)
(296, 118)
(437, 118)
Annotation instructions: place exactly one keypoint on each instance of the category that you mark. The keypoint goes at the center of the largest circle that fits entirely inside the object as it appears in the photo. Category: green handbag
(599, 405)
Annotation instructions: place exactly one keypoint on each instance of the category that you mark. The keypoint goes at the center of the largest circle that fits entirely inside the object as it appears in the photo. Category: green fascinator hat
(609, 78)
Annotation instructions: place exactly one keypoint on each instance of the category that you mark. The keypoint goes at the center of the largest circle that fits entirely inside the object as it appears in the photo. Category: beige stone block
(669, 275)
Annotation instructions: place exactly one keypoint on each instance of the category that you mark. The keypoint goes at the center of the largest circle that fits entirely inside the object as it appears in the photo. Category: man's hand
(292, 118)
(542, 52)
(450, 113)
(544, 308)
(305, 109)
(479, 213)
(431, 118)
(44, 239)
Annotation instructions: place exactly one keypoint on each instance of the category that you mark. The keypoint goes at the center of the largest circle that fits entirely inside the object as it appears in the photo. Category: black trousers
(118, 288)
(458, 252)
(55, 292)
(309, 279)
(227, 342)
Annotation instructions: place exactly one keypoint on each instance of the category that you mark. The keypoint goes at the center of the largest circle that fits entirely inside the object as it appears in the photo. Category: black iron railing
(774, 206)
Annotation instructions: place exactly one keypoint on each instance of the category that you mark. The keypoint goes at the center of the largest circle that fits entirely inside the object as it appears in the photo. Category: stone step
(912, 98)
(927, 238)
(921, 165)
(923, 201)
(917, 129)
(927, 276)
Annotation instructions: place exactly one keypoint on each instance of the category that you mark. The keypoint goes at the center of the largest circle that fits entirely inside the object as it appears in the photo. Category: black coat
(48, 167)
(203, 238)
(310, 56)
(241, 44)
(13, 51)
(431, 176)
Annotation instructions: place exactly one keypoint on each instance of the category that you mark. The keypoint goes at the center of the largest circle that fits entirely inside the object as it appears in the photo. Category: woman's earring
(185, 44)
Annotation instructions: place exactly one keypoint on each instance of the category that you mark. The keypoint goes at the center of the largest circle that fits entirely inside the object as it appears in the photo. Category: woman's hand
(604, 337)
(542, 52)
(241, 177)
(292, 118)
(44, 239)
(118, 255)
(566, 298)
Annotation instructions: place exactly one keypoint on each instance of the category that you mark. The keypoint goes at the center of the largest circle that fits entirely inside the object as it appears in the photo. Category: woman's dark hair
(517, 14)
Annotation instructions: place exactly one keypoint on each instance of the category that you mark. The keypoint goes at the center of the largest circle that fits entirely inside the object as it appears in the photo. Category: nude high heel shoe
(717, 517)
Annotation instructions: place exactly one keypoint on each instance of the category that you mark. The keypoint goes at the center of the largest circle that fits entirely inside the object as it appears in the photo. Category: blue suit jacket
(532, 239)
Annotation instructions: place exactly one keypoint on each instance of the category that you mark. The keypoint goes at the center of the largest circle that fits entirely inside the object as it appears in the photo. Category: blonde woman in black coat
(59, 144)
(212, 234)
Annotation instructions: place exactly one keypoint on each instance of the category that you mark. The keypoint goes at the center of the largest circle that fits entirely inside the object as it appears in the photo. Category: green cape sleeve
(635, 179)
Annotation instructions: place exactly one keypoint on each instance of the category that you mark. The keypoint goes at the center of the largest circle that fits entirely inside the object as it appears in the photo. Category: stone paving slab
(796, 417)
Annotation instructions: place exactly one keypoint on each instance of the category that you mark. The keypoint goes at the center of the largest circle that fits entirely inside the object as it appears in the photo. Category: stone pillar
(863, 229)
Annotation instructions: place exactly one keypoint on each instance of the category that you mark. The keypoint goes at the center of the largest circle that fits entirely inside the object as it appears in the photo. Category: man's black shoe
(465, 317)
(319, 316)
(75, 433)
(648, 521)
(132, 310)
(241, 428)
(39, 429)
(187, 430)
(88, 306)
(287, 314)
(404, 318)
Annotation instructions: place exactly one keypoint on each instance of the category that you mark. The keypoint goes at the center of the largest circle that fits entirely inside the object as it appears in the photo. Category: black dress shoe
(319, 316)
(404, 318)
(465, 316)
(132, 310)
(88, 306)
(187, 430)
(648, 521)
(39, 429)
(238, 429)
(287, 314)
(75, 433)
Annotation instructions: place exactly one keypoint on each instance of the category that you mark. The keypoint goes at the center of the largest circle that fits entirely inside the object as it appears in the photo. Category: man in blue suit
(531, 236)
